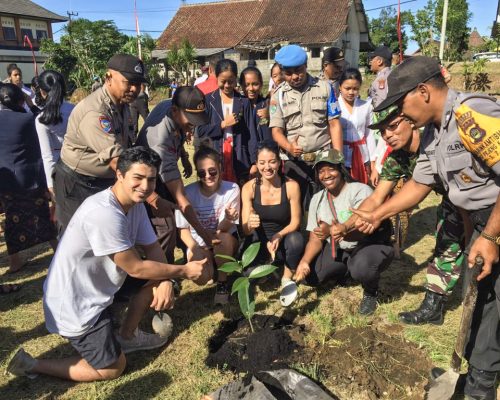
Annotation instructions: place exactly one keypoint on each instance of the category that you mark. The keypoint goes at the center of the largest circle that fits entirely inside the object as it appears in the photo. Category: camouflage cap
(331, 156)
(383, 117)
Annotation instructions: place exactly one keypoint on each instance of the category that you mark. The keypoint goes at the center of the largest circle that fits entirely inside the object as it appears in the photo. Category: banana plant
(242, 284)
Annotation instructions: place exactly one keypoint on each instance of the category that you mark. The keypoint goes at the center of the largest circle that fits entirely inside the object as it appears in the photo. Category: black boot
(480, 385)
(429, 312)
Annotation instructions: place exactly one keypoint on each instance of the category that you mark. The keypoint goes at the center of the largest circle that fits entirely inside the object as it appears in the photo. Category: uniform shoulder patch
(105, 124)
(480, 134)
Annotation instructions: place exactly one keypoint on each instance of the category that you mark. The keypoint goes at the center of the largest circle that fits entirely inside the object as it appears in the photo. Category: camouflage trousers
(444, 268)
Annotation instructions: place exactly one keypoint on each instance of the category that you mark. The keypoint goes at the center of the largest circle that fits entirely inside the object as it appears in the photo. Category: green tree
(457, 30)
(384, 31)
(148, 44)
(84, 50)
(422, 25)
(180, 58)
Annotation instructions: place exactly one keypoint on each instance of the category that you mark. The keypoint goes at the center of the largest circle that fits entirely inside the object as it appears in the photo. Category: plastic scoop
(289, 292)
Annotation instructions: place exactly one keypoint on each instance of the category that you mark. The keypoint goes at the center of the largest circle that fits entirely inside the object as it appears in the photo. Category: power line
(390, 5)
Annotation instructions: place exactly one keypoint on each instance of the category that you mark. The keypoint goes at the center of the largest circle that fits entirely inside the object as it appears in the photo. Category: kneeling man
(97, 258)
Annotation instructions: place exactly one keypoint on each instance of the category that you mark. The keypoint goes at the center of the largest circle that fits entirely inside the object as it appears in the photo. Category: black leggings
(364, 264)
(289, 253)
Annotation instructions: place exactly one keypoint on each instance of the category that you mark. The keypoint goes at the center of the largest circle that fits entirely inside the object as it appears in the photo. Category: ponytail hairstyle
(12, 97)
(52, 82)
(272, 146)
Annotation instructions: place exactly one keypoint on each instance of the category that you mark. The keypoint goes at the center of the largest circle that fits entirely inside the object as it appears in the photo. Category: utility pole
(70, 14)
(443, 30)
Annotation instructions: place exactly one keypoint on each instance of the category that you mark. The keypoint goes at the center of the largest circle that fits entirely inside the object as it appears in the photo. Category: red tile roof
(245, 22)
(211, 25)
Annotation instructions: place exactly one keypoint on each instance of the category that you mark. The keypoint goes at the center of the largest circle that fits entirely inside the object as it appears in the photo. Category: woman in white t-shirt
(217, 206)
(356, 115)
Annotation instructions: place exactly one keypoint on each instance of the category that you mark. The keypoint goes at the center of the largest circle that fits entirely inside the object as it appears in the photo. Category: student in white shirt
(217, 206)
(96, 259)
(356, 115)
(52, 121)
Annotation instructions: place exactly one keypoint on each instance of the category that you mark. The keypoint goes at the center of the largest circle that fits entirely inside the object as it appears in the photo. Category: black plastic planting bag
(282, 384)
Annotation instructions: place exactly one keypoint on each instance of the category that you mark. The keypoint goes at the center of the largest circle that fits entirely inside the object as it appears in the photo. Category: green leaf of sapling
(262, 270)
(250, 254)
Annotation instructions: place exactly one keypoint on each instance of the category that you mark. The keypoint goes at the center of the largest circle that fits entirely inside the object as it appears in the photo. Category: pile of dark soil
(371, 364)
(235, 347)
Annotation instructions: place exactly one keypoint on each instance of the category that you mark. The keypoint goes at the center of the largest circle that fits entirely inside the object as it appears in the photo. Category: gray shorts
(98, 346)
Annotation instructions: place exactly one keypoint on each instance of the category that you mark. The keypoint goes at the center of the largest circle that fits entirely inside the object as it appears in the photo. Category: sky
(154, 15)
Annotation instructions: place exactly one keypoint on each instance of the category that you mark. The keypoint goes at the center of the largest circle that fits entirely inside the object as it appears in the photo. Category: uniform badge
(381, 84)
(466, 178)
(105, 124)
(272, 108)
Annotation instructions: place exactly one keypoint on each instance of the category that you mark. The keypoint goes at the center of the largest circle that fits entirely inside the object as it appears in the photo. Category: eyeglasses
(394, 126)
(202, 173)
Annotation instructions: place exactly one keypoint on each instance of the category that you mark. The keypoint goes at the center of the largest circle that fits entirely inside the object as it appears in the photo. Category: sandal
(7, 288)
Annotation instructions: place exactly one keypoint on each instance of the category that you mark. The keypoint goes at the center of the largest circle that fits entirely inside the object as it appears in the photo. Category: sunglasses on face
(202, 173)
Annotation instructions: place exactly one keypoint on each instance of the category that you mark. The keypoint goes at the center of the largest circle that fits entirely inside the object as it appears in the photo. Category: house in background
(20, 18)
(245, 30)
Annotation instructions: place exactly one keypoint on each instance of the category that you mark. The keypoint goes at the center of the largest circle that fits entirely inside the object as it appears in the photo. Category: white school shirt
(82, 279)
(51, 139)
(355, 128)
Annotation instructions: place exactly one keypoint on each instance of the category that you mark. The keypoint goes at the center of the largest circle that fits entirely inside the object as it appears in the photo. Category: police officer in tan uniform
(461, 150)
(332, 65)
(380, 64)
(99, 129)
(304, 117)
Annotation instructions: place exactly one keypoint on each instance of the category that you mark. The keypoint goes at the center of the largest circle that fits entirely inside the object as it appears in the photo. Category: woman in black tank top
(271, 213)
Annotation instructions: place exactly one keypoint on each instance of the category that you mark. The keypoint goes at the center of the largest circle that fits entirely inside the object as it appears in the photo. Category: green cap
(330, 156)
(383, 117)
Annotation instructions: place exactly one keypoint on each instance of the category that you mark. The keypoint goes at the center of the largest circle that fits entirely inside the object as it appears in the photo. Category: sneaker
(368, 304)
(141, 341)
(21, 364)
(221, 294)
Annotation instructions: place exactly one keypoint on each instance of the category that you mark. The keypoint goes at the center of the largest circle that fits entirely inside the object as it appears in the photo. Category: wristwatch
(494, 239)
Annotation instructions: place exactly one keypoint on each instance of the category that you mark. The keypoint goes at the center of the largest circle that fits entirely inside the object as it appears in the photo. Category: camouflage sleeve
(392, 170)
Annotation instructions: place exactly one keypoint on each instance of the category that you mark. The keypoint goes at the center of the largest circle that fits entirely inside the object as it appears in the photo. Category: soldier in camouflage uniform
(444, 268)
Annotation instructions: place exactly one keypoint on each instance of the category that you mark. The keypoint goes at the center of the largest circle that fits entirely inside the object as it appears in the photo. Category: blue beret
(291, 56)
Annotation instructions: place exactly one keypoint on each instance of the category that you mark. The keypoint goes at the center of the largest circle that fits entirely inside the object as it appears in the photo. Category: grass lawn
(178, 371)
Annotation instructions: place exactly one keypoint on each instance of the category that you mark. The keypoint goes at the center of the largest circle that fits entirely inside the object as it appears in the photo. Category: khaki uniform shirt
(305, 113)
(97, 132)
(378, 89)
(470, 179)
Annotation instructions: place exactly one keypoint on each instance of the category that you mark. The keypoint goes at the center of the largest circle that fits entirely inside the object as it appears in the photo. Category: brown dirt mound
(237, 348)
(370, 364)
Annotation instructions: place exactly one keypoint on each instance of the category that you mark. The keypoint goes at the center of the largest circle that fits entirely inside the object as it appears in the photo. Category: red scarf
(227, 155)
(358, 171)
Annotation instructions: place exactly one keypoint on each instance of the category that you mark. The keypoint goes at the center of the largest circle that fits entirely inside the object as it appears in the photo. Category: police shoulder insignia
(480, 134)
(105, 124)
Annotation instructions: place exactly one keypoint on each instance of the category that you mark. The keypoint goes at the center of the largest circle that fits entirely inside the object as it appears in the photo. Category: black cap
(333, 54)
(382, 51)
(406, 77)
(129, 66)
(191, 101)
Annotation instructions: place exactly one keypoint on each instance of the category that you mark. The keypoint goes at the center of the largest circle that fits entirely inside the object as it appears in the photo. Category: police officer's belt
(86, 179)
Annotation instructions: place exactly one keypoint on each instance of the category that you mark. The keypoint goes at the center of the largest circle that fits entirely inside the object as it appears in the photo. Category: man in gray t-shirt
(330, 251)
